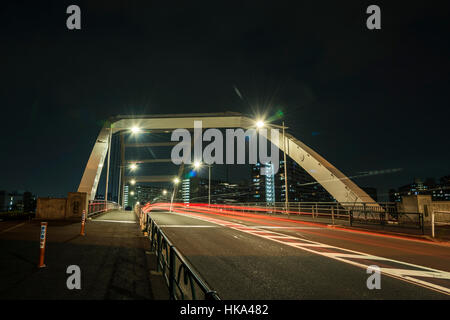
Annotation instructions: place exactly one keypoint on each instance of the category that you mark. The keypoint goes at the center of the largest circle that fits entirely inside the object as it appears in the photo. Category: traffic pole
(42, 244)
(83, 222)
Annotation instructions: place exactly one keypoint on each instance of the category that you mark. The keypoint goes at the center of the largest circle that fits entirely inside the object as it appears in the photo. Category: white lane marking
(402, 274)
(13, 227)
(118, 221)
(294, 228)
(185, 226)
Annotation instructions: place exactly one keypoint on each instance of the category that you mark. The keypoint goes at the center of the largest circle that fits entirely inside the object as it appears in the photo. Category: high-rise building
(271, 188)
(126, 189)
(195, 190)
(144, 194)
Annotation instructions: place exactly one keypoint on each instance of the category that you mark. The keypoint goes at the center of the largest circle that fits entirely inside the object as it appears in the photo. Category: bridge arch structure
(342, 188)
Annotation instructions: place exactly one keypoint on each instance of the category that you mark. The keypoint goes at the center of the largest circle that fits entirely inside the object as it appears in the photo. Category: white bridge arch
(343, 189)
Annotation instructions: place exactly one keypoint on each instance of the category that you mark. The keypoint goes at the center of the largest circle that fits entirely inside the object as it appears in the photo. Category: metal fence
(99, 206)
(384, 214)
(183, 281)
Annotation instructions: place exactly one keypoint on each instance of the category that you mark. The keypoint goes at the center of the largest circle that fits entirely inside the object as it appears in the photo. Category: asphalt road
(259, 257)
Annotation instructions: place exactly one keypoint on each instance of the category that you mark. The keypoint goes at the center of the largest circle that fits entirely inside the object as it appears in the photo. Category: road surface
(244, 256)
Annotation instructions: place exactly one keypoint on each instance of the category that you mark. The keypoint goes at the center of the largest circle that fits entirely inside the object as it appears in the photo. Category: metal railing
(99, 206)
(367, 213)
(183, 281)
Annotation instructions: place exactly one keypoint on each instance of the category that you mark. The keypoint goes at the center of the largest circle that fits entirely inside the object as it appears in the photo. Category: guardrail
(381, 213)
(183, 281)
(99, 206)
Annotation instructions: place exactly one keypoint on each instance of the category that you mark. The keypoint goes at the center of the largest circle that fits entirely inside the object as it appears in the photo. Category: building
(441, 192)
(3, 201)
(18, 201)
(29, 202)
(195, 190)
(271, 188)
(126, 198)
(144, 194)
(438, 191)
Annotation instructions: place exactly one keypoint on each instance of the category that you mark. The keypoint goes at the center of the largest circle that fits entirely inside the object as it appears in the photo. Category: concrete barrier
(51, 208)
(69, 208)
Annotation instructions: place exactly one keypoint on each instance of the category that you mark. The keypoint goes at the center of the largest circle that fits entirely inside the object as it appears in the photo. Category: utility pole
(286, 190)
(107, 169)
(209, 185)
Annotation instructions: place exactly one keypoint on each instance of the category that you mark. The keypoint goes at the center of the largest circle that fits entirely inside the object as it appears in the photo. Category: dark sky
(365, 100)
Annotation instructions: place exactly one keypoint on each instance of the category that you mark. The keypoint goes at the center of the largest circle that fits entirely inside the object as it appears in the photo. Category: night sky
(365, 100)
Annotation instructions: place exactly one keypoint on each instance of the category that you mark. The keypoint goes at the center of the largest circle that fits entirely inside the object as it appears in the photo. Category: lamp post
(197, 165)
(261, 124)
(132, 167)
(286, 190)
(175, 183)
(107, 167)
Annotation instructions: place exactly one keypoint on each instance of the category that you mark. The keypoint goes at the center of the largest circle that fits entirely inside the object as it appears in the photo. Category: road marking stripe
(13, 227)
(294, 228)
(118, 221)
(184, 226)
(402, 274)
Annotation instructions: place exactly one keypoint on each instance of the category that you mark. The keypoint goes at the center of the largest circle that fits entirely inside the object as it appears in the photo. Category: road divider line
(185, 226)
(117, 221)
(13, 227)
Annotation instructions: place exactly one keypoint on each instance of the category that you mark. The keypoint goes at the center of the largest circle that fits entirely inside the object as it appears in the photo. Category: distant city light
(164, 191)
(133, 166)
(133, 182)
(176, 180)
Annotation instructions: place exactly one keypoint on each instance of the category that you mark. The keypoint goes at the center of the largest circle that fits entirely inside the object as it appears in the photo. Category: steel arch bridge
(343, 189)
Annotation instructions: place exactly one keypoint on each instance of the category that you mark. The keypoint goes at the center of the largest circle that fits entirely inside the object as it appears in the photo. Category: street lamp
(135, 130)
(164, 192)
(197, 165)
(176, 181)
(132, 182)
(260, 124)
(131, 167)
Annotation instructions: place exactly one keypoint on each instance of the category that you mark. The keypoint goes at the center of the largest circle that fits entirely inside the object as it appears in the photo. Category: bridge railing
(183, 281)
(374, 213)
(99, 206)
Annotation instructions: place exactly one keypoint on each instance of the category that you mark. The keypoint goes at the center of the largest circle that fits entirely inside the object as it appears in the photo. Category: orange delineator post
(83, 222)
(43, 239)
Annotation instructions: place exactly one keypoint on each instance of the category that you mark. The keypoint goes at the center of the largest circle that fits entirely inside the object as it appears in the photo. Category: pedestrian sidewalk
(113, 258)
